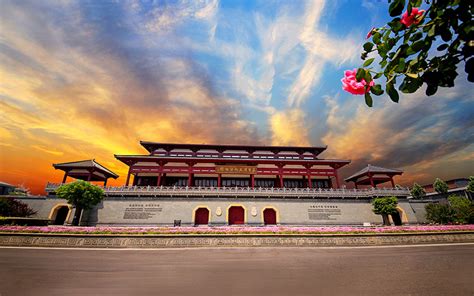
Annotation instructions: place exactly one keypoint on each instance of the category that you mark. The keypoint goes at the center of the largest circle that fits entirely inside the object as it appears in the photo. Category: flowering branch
(403, 49)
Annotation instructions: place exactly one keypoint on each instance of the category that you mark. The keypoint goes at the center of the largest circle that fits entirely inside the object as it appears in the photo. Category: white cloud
(320, 49)
(166, 17)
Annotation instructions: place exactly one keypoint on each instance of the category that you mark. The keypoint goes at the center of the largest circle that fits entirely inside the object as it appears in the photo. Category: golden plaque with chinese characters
(225, 169)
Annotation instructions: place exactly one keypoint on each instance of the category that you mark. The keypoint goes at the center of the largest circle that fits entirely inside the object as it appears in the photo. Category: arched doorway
(397, 220)
(269, 216)
(201, 216)
(61, 215)
(236, 215)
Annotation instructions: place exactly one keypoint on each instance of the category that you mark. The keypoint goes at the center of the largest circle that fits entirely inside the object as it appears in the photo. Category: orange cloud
(289, 128)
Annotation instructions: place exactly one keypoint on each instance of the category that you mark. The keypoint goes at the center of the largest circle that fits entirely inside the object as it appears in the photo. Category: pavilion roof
(5, 184)
(152, 146)
(75, 167)
(131, 159)
(372, 169)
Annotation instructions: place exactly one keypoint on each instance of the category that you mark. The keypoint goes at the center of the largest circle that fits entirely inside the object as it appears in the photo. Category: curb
(229, 240)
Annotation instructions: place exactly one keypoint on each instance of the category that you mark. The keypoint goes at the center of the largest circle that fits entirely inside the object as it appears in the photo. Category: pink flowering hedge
(233, 229)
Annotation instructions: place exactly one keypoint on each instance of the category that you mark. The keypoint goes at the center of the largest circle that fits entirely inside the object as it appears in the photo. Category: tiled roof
(4, 184)
(152, 146)
(90, 163)
(374, 169)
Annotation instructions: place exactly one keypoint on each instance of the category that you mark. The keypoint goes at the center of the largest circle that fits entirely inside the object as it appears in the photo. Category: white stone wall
(164, 211)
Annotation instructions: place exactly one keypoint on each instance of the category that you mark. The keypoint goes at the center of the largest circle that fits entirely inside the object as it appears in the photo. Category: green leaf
(397, 26)
(392, 92)
(412, 75)
(442, 47)
(382, 49)
(368, 62)
(416, 36)
(401, 65)
(396, 8)
(446, 35)
(469, 66)
(432, 31)
(410, 85)
(431, 89)
(376, 90)
(368, 46)
(360, 74)
(378, 75)
(367, 76)
(376, 38)
(368, 99)
(417, 46)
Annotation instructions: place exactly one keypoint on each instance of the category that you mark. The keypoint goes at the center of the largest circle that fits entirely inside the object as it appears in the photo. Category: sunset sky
(87, 79)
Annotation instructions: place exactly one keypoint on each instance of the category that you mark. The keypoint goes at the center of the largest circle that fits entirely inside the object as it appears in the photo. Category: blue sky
(87, 79)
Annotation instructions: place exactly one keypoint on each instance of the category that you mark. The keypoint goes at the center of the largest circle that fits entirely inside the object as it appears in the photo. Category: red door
(269, 217)
(236, 215)
(201, 216)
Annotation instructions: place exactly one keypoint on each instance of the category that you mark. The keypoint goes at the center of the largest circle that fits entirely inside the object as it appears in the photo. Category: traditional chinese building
(202, 184)
(200, 165)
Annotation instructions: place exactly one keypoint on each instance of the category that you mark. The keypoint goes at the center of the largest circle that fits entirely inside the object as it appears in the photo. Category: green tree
(419, 46)
(440, 186)
(439, 213)
(385, 206)
(463, 209)
(82, 195)
(417, 191)
(470, 186)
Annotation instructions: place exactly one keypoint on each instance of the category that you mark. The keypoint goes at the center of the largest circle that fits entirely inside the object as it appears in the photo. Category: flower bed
(235, 229)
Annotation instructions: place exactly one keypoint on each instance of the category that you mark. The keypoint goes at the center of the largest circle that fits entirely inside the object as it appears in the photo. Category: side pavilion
(373, 175)
(87, 170)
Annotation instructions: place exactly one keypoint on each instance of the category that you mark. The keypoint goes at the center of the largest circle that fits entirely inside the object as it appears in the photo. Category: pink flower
(370, 33)
(350, 83)
(414, 18)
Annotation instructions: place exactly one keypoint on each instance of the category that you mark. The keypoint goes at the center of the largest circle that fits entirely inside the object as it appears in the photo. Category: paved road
(426, 270)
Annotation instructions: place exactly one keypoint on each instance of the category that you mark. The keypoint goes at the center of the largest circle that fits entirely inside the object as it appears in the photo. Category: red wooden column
(219, 179)
(105, 182)
(310, 184)
(160, 172)
(158, 182)
(65, 176)
(391, 180)
(252, 180)
(89, 177)
(190, 176)
(280, 175)
(190, 179)
(371, 181)
(128, 176)
(337, 178)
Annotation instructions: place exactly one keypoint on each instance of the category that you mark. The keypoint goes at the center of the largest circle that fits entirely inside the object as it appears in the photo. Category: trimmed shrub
(417, 191)
(440, 186)
(463, 209)
(82, 195)
(385, 206)
(439, 213)
(10, 207)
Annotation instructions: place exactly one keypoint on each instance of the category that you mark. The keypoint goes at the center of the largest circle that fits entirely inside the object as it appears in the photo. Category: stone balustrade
(244, 192)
